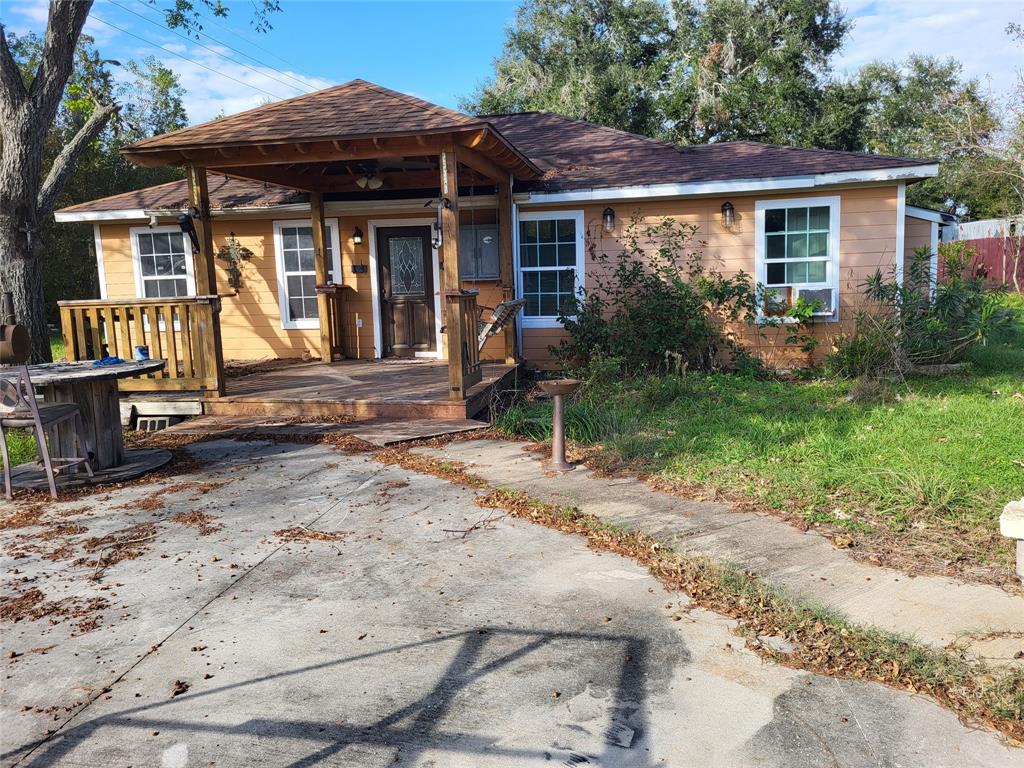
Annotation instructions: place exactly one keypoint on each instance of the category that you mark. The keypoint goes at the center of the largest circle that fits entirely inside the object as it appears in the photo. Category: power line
(215, 52)
(240, 36)
(186, 58)
(144, 4)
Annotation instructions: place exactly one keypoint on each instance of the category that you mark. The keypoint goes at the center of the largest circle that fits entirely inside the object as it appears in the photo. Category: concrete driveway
(410, 638)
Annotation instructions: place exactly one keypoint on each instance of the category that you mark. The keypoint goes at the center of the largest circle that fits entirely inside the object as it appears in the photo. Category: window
(550, 264)
(296, 269)
(797, 253)
(479, 252)
(163, 262)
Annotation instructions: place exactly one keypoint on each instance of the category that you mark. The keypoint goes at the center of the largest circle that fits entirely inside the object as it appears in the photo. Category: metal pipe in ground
(558, 389)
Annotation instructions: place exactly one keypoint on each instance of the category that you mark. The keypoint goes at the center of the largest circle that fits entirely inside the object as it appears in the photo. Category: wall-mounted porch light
(728, 214)
(189, 228)
(357, 236)
(608, 220)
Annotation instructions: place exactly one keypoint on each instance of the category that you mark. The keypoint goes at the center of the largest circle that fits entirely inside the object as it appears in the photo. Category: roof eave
(735, 186)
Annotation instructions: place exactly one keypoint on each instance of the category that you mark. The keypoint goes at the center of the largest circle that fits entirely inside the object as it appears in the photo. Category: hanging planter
(234, 253)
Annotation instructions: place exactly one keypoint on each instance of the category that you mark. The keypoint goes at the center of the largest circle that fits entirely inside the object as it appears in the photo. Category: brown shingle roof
(353, 109)
(224, 194)
(575, 154)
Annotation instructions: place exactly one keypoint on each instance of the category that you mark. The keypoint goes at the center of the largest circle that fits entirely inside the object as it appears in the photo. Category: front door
(406, 279)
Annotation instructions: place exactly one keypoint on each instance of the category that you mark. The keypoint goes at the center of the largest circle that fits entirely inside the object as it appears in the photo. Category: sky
(442, 51)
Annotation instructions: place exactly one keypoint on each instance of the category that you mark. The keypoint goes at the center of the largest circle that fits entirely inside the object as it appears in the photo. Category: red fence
(1002, 259)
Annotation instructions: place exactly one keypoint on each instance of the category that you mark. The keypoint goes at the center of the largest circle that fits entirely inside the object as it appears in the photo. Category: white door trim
(378, 341)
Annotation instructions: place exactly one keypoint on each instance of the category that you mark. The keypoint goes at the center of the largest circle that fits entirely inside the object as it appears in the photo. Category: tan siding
(867, 242)
(251, 320)
(918, 234)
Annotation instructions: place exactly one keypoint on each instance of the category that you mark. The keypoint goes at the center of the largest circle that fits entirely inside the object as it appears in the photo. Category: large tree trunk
(21, 153)
(26, 113)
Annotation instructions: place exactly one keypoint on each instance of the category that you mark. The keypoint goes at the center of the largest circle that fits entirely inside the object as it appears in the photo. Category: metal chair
(19, 409)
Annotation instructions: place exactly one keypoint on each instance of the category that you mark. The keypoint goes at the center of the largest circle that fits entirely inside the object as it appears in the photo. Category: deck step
(377, 431)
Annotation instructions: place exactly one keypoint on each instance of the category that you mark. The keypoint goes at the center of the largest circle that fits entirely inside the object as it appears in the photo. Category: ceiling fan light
(374, 183)
(361, 182)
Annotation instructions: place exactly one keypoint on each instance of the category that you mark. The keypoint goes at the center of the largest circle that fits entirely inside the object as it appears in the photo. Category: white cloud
(213, 84)
(972, 32)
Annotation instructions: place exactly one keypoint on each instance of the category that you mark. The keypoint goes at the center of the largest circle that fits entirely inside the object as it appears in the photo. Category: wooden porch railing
(179, 331)
(463, 350)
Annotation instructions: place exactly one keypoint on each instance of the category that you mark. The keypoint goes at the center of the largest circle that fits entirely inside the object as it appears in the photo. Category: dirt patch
(298, 533)
(201, 521)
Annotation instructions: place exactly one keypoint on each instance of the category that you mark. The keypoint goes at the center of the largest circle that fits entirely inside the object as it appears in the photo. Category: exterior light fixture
(370, 181)
(357, 236)
(608, 220)
(728, 213)
(185, 222)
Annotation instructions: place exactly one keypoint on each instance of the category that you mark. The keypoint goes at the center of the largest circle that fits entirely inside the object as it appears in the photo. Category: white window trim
(550, 322)
(282, 285)
(101, 271)
(831, 266)
(133, 235)
(378, 339)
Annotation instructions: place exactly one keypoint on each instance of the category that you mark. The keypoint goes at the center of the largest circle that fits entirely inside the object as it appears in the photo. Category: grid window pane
(163, 264)
(776, 247)
(817, 244)
(796, 219)
(797, 245)
(816, 271)
(819, 218)
(547, 262)
(298, 256)
(775, 220)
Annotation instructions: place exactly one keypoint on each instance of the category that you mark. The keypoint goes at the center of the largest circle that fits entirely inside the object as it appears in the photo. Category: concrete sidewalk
(419, 635)
(935, 610)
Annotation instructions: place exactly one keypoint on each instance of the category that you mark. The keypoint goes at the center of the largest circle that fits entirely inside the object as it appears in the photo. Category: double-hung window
(163, 262)
(296, 270)
(551, 259)
(797, 253)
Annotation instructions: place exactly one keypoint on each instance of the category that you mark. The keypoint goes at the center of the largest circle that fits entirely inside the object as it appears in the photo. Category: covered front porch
(376, 265)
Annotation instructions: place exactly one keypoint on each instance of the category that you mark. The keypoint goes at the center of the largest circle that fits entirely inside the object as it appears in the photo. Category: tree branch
(63, 28)
(65, 161)
(13, 87)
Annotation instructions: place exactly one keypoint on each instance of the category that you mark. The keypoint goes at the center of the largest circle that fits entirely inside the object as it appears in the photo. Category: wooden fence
(180, 331)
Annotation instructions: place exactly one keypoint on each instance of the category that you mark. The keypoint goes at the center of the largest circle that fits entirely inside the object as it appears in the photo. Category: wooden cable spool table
(94, 389)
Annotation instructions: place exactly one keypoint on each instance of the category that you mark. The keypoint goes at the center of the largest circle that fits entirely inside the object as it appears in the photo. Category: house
(405, 205)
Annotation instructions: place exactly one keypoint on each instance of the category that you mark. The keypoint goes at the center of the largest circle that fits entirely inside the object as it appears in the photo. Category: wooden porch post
(316, 216)
(451, 279)
(206, 271)
(505, 225)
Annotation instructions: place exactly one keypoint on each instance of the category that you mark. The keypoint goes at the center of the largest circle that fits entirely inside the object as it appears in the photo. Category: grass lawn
(917, 481)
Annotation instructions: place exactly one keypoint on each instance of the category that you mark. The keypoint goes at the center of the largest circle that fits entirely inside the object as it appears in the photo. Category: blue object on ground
(108, 361)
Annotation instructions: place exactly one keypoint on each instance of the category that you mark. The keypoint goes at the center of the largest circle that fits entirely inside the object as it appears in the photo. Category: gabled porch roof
(325, 141)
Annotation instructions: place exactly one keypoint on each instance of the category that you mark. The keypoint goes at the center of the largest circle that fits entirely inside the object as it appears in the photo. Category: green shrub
(915, 322)
(655, 306)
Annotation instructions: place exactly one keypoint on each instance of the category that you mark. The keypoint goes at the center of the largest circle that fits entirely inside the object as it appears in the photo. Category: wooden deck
(394, 388)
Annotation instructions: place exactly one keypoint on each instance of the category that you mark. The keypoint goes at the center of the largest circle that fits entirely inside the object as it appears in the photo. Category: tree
(29, 103)
(750, 69)
(151, 103)
(924, 107)
(597, 60)
(689, 72)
